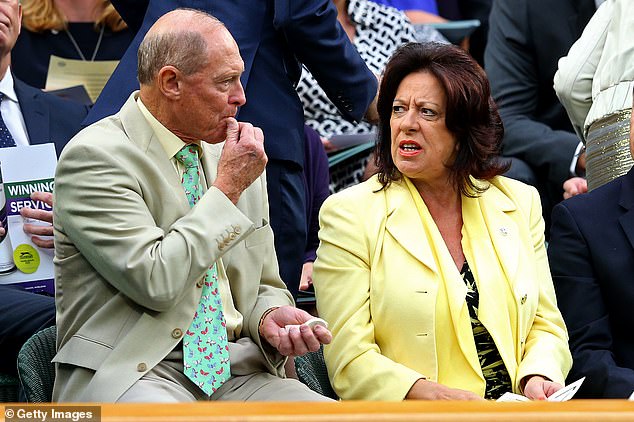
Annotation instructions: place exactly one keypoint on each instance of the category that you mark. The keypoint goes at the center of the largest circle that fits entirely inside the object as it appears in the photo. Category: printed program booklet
(26, 169)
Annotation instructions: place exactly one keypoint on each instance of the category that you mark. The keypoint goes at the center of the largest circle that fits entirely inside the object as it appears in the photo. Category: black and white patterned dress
(379, 31)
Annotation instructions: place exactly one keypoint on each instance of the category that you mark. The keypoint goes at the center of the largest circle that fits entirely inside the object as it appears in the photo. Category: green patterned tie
(205, 347)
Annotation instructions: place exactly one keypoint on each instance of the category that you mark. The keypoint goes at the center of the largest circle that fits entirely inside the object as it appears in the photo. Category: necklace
(94, 53)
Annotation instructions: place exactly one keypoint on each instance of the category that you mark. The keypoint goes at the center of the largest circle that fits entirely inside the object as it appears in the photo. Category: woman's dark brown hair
(471, 114)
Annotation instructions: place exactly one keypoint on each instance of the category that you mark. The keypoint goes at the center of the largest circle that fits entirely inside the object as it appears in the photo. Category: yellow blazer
(395, 301)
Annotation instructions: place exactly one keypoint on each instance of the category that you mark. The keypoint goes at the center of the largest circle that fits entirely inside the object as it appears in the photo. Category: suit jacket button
(232, 236)
(221, 246)
(237, 230)
(200, 283)
(177, 333)
(141, 367)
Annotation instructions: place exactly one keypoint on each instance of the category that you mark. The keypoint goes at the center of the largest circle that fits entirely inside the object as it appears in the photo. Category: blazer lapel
(495, 242)
(627, 202)
(495, 229)
(211, 155)
(36, 114)
(140, 132)
(405, 225)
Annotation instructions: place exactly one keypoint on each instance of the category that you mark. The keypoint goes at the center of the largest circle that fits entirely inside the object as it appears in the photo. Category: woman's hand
(539, 388)
(429, 390)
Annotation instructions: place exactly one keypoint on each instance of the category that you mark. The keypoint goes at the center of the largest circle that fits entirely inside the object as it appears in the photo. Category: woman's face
(422, 146)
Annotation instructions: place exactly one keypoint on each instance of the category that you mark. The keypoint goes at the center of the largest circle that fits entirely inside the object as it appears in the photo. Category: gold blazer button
(141, 367)
(177, 333)
(200, 283)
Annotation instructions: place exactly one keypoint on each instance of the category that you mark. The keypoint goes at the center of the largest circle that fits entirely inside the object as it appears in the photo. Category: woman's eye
(427, 112)
(398, 109)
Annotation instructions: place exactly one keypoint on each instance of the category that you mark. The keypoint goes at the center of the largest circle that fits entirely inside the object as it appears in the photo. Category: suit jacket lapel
(627, 202)
(140, 132)
(35, 113)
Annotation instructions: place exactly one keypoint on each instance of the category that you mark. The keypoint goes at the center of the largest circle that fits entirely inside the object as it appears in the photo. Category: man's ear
(169, 82)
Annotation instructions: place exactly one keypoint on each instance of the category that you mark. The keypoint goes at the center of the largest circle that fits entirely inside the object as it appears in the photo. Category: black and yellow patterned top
(495, 374)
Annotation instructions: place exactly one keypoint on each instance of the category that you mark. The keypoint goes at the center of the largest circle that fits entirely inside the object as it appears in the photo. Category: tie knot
(188, 156)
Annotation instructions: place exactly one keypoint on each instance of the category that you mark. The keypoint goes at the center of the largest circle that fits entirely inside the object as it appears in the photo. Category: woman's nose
(409, 121)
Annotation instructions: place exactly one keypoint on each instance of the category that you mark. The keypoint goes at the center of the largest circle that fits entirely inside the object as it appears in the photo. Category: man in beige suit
(131, 251)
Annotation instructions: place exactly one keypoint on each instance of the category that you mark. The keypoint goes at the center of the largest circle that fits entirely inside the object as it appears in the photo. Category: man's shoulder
(106, 134)
(594, 207)
(55, 104)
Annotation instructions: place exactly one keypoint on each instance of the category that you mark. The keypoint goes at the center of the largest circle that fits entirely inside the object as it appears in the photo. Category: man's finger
(259, 135)
(233, 130)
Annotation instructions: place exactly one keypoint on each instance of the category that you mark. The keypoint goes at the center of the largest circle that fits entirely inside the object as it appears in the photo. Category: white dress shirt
(11, 112)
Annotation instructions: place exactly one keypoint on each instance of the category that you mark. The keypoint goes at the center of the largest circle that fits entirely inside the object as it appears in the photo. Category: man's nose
(238, 98)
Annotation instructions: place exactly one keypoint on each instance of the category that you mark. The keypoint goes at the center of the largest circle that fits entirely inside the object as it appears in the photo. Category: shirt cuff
(575, 158)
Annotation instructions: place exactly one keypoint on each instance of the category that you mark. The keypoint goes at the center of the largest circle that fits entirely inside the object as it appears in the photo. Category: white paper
(567, 392)
(563, 394)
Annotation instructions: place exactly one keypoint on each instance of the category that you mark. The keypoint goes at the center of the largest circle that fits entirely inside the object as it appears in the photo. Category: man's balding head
(176, 40)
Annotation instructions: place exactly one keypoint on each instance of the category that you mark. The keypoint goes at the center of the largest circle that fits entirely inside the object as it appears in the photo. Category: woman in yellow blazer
(433, 274)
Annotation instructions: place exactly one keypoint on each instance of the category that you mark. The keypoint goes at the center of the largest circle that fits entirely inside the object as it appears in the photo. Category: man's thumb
(233, 130)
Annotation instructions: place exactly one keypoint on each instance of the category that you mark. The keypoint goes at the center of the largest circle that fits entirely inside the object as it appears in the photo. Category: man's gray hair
(185, 49)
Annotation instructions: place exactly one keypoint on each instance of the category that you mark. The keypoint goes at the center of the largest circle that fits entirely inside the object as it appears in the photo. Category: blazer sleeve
(512, 70)
(546, 349)
(341, 276)
(320, 43)
(573, 80)
(581, 301)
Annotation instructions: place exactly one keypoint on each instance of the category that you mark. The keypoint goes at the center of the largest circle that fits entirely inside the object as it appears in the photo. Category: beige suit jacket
(130, 251)
(395, 301)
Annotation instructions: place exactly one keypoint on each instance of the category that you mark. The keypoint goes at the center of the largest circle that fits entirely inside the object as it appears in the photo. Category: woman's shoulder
(357, 201)
(366, 191)
(518, 192)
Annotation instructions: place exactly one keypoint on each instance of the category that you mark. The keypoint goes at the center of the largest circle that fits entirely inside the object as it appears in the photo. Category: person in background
(417, 11)
(591, 253)
(316, 176)
(594, 83)
(31, 117)
(275, 37)
(89, 30)
(376, 31)
(433, 274)
(167, 285)
(526, 39)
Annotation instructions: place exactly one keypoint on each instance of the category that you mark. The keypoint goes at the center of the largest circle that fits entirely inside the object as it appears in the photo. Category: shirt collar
(170, 142)
(6, 86)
